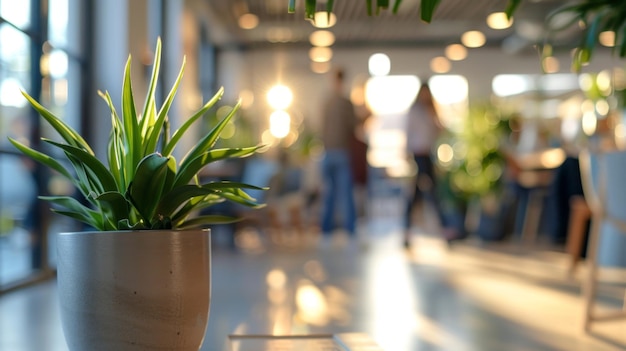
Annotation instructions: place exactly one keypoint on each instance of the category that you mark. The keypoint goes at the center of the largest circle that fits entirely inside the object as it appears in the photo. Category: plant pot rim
(113, 232)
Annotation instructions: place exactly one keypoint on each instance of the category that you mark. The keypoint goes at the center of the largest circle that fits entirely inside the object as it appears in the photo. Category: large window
(41, 53)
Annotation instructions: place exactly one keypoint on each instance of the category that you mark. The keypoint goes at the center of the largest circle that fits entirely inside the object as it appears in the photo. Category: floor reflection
(466, 298)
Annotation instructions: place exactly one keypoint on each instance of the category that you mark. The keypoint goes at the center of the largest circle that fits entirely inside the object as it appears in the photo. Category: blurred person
(360, 168)
(338, 125)
(423, 128)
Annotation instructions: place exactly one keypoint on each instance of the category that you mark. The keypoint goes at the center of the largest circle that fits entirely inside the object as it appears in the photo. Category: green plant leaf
(170, 176)
(396, 6)
(128, 167)
(179, 195)
(42, 158)
(114, 206)
(591, 36)
(129, 114)
(329, 9)
(153, 137)
(100, 171)
(209, 140)
(178, 134)
(72, 208)
(149, 104)
(309, 9)
(65, 131)
(427, 9)
(246, 201)
(145, 191)
(203, 221)
(116, 153)
(195, 204)
(189, 169)
(291, 8)
(511, 7)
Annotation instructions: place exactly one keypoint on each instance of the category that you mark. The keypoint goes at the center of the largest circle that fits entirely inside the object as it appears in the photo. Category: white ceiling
(355, 28)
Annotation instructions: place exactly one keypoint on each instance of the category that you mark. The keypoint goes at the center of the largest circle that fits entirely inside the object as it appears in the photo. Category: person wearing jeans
(338, 126)
(338, 190)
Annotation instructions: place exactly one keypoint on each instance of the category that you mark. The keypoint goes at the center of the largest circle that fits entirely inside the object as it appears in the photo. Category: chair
(603, 185)
(580, 214)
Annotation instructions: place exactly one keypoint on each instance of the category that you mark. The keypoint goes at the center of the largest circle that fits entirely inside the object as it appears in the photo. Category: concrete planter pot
(134, 290)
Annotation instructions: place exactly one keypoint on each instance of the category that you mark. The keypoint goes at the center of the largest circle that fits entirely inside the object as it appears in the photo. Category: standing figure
(422, 131)
(338, 125)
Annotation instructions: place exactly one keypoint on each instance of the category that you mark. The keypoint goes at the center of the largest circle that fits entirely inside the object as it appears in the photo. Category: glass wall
(39, 56)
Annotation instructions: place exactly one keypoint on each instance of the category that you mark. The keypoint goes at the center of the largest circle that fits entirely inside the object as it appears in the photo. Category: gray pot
(134, 290)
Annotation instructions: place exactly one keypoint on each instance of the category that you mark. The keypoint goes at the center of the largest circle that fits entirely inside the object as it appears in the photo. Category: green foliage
(597, 16)
(143, 186)
(479, 163)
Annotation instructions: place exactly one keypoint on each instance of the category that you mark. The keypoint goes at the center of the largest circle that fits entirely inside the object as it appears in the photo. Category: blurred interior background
(514, 115)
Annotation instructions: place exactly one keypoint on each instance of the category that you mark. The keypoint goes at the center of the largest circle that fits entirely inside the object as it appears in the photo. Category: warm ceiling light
(320, 67)
(473, 39)
(440, 64)
(379, 65)
(248, 21)
(320, 54)
(607, 38)
(323, 20)
(498, 20)
(322, 38)
(456, 52)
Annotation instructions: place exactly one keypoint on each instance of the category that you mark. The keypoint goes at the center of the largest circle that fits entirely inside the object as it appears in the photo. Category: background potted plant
(140, 279)
(474, 182)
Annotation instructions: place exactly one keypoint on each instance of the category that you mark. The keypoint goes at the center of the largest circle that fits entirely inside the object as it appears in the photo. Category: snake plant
(143, 186)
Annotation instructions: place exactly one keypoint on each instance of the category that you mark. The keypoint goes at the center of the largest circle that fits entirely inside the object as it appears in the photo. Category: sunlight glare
(280, 122)
(279, 97)
(391, 94)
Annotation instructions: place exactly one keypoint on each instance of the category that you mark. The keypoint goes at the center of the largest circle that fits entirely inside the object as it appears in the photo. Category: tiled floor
(465, 298)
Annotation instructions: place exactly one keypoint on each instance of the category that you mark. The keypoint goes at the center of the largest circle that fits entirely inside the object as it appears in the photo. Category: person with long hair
(422, 131)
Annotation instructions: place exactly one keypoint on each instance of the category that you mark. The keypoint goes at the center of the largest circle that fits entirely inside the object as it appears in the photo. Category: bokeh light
(379, 64)
(322, 38)
(473, 39)
(456, 52)
(498, 20)
(280, 123)
(248, 21)
(279, 97)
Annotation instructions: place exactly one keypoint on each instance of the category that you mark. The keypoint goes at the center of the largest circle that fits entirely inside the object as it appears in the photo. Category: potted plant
(473, 182)
(140, 279)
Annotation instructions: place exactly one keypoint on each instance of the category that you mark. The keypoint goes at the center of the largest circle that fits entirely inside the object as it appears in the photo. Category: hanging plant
(596, 17)
(427, 7)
